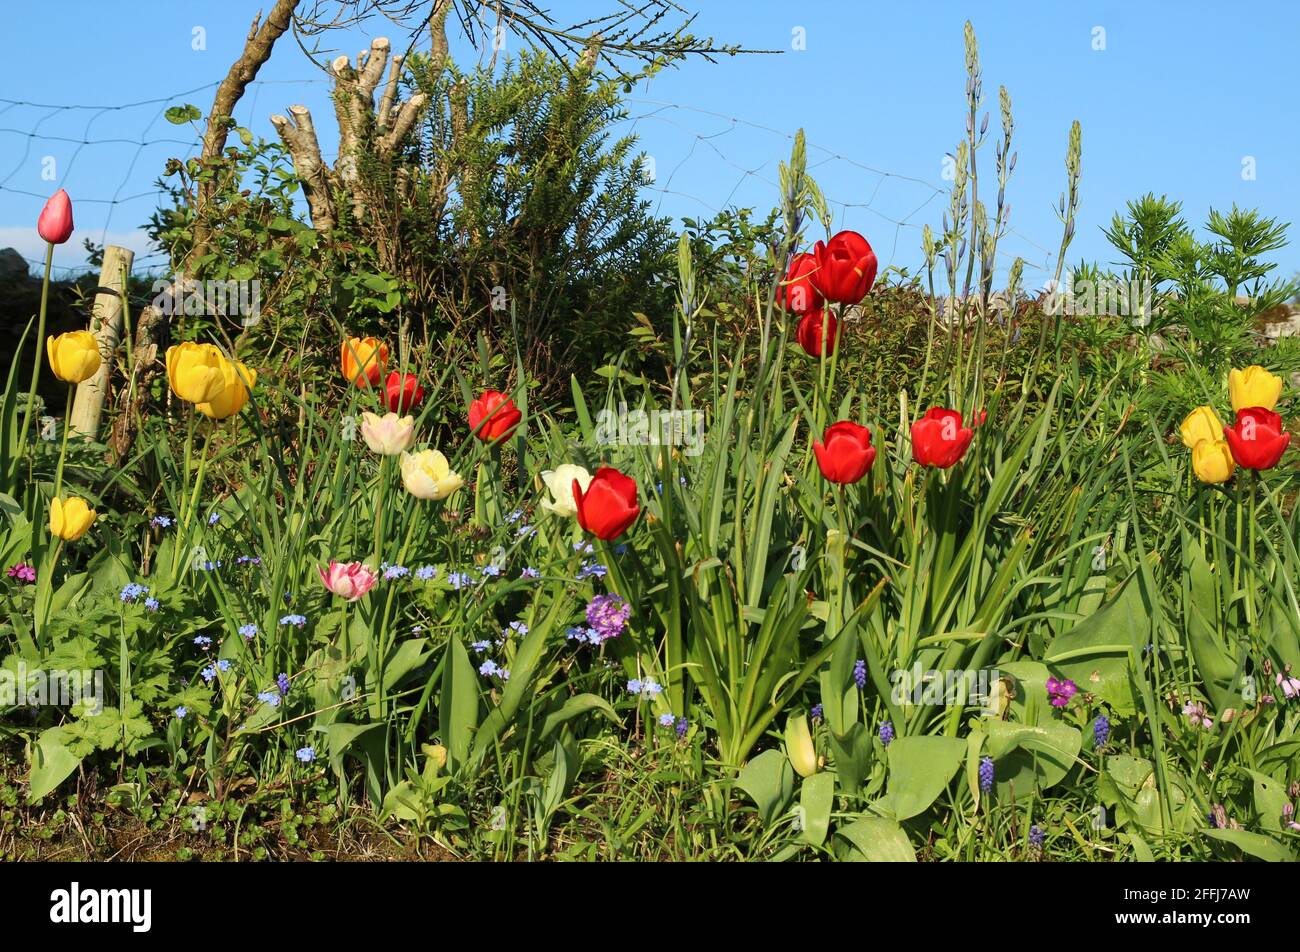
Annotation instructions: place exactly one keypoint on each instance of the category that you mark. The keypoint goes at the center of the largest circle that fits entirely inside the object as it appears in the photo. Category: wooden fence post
(106, 325)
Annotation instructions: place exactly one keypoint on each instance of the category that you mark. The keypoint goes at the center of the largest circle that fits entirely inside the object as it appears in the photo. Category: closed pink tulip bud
(55, 223)
(350, 580)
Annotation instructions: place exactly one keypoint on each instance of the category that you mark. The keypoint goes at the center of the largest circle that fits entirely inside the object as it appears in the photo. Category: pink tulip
(55, 223)
(351, 580)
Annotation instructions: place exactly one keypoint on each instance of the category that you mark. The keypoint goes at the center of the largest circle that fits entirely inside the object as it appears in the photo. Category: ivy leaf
(179, 115)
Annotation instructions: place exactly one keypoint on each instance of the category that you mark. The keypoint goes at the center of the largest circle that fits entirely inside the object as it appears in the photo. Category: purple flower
(817, 712)
(886, 732)
(270, 697)
(396, 572)
(1037, 835)
(161, 522)
(681, 727)
(181, 711)
(208, 673)
(607, 615)
(667, 720)
(458, 580)
(425, 572)
(986, 773)
(1198, 715)
(860, 673)
(1101, 730)
(530, 572)
(1060, 691)
(488, 668)
(249, 631)
(151, 603)
(282, 683)
(23, 573)
(305, 754)
(298, 620)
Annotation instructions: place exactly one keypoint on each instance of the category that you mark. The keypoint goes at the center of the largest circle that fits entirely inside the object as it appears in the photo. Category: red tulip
(498, 415)
(403, 392)
(1258, 440)
(939, 439)
(846, 268)
(796, 293)
(55, 223)
(809, 332)
(609, 505)
(844, 453)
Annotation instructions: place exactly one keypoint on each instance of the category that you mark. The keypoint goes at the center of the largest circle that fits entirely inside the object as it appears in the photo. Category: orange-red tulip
(796, 293)
(844, 453)
(493, 416)
(939, 439)
(608, 506)
(846, 268)
(809, 332)
(1257, 440)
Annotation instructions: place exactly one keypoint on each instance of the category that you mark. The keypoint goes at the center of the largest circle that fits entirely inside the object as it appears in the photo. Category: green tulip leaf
(769, 781)
(919, 770)
(876, 839)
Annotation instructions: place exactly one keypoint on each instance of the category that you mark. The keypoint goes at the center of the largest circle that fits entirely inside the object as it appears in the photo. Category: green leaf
(1028, 757)
(52, 763)
(1095, 653)
(459, 704)
(816, 797)
(919, 770)
(179, 115)
(1254, 844)
(769, 781)
(876, 839)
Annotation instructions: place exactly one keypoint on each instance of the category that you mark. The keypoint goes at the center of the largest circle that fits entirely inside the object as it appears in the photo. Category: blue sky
(1182, 95)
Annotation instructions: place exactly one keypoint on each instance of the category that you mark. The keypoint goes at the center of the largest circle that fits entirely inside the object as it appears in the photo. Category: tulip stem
(40, 342)
(379, 510)
(188, 513)
(63, 450)
(1254, 508)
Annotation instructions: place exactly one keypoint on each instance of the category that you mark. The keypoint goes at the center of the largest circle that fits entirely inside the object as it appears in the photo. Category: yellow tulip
(1212, 461)
(237, 382)
(1201, 424)
(799, 746)
(195, 372)
(428, 475)
(1253, 387)
(74, 356)
(70, 518)
(560, 483)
